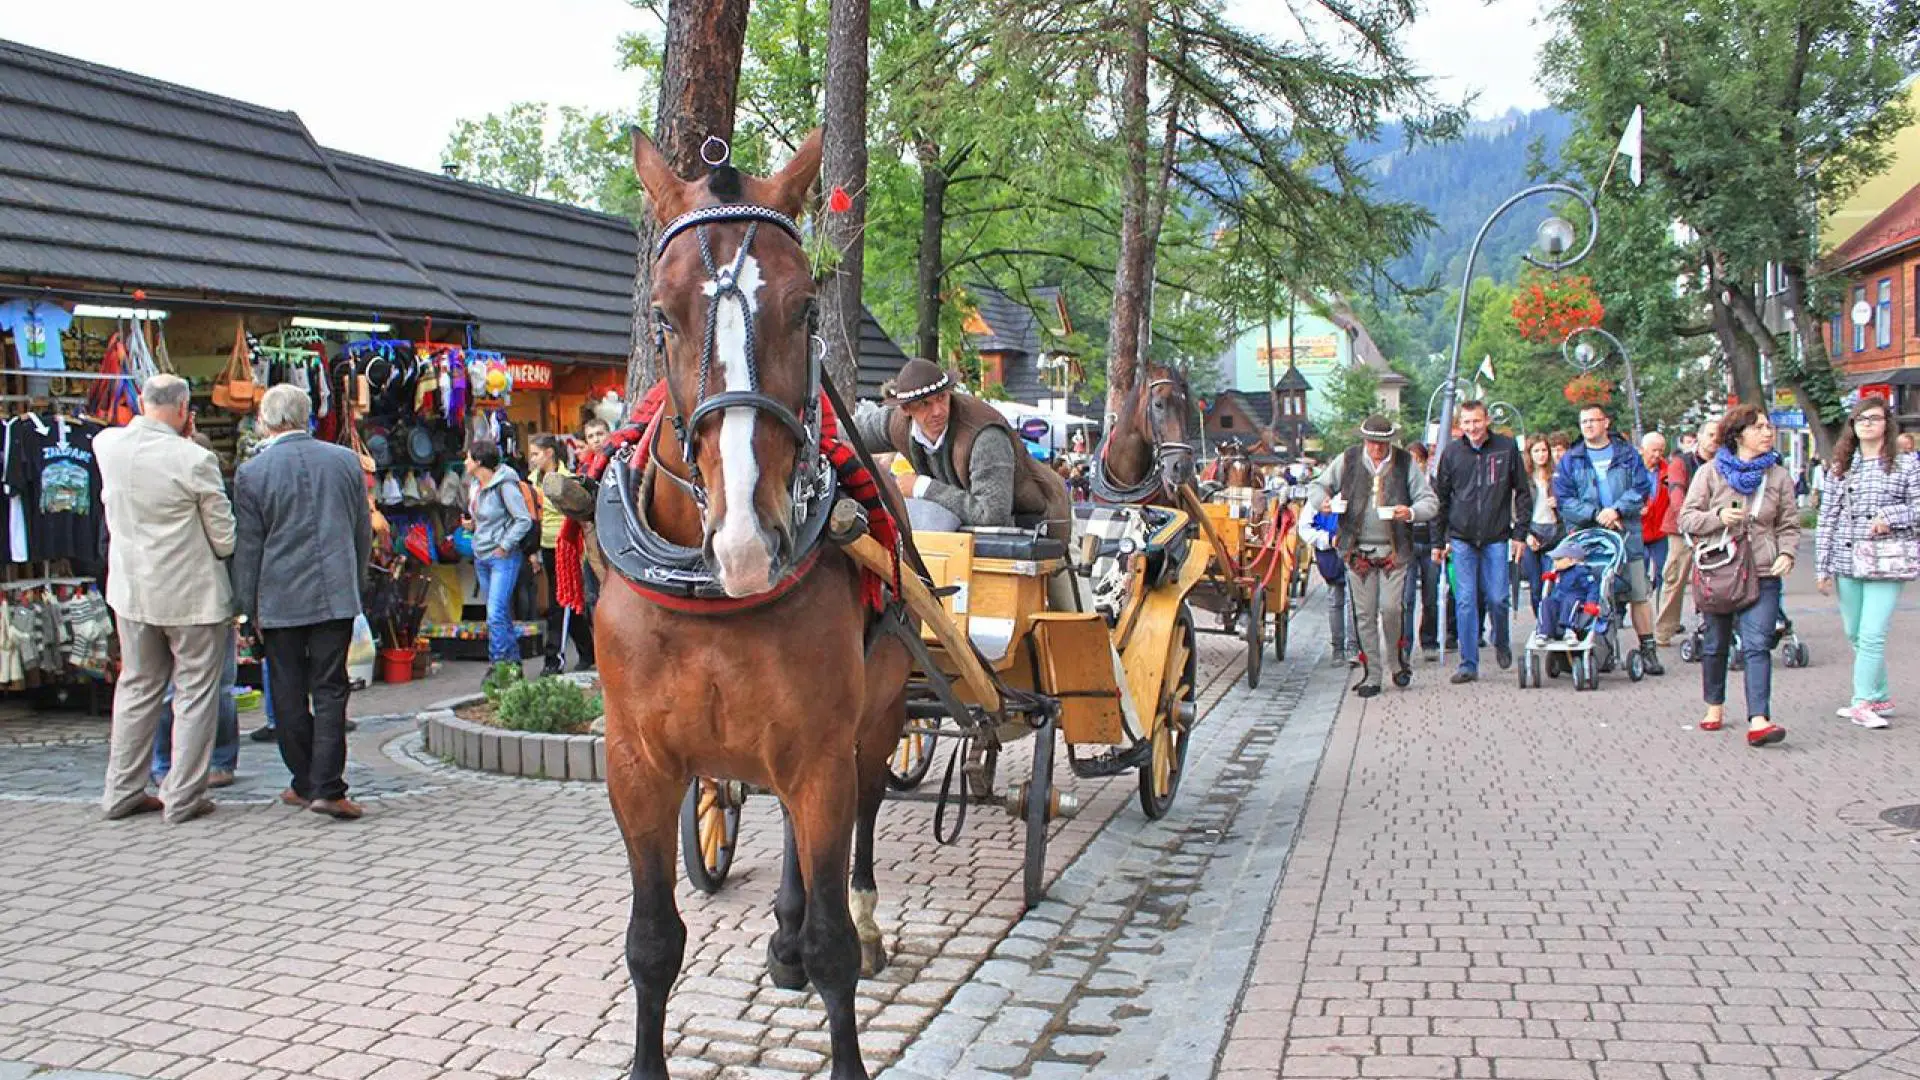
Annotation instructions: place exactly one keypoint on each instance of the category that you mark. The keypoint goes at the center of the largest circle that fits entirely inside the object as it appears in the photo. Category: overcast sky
(388, 78)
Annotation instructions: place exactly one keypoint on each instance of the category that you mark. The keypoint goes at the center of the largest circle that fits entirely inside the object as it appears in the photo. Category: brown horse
(1145, 456)
(767, 669)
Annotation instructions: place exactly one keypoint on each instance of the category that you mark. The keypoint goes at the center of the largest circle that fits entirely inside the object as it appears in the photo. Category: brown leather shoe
(145, 804)
(292, 798)
(219, 778)
(192, 813)
(341, 809)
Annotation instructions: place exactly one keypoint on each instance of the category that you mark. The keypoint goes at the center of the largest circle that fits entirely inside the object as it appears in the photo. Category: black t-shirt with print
(50, 465)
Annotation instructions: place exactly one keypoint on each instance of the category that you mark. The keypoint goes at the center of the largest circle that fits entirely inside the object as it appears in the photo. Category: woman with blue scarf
(1744, 491)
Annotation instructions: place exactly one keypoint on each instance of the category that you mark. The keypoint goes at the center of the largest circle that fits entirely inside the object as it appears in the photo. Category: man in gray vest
(969, 467)
(1378, 496)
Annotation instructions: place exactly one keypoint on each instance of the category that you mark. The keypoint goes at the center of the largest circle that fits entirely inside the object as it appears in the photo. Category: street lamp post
(1504, 412)
(1585, 357)
(1555, 236)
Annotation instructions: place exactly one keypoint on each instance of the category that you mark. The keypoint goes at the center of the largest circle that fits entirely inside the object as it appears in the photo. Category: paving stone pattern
(1133, 966)
(1491, 883)
(470, 926)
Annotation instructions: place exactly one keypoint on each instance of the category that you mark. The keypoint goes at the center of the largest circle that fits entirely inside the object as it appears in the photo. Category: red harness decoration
(570, 586)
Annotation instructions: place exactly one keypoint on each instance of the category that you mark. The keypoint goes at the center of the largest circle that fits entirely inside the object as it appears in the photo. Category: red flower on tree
(1587, 390)
(1547, 311)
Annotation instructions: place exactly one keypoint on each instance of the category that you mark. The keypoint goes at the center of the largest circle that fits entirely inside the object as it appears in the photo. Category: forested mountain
(1460, 183)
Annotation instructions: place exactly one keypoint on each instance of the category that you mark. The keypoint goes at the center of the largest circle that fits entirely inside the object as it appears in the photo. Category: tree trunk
(1814, 360)
(1743, 365)
(1129, 275)
(699, 82)
(1157, 216)
(844, 165)
(933, 226)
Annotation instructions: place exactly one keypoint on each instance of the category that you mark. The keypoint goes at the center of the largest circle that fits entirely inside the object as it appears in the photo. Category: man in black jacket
(1485, 503)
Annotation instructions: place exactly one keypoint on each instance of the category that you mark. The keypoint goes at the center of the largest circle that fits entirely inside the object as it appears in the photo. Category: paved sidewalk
(1550, 884)
(470, 927)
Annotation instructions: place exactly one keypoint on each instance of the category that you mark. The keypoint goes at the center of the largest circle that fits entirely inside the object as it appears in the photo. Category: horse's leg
(656, 937)
(784, 963)
(823, 816)
(866, 894)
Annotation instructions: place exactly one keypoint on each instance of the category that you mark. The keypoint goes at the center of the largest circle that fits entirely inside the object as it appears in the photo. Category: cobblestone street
(1447, 881)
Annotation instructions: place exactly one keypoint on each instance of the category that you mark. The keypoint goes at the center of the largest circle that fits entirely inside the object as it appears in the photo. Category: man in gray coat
(305, 537)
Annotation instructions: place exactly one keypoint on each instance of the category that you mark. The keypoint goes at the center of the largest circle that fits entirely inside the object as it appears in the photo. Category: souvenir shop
(405, 402)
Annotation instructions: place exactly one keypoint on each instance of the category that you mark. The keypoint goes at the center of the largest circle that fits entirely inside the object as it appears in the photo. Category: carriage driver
(968, 467)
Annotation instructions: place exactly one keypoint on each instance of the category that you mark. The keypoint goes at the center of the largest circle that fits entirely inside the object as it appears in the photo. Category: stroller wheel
(1802, 658)
(1403, 678)
(1689, 650)
(1526, 662)
(1636, 666)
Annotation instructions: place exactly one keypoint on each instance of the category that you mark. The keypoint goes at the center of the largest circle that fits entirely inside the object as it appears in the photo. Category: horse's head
(1147, 440)
(732, 317)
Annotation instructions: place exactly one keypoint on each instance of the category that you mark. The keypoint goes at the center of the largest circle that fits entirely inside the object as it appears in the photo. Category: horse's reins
(725, 282)
(1106, 489)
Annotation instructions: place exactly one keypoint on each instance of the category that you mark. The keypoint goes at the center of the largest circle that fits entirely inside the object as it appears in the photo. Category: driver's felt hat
(919, 379)
(1377, 428)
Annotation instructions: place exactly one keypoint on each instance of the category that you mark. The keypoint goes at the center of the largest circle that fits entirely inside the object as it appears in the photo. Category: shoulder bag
(1724, 578)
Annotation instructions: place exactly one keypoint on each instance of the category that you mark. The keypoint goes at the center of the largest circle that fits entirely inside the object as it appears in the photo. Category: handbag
(1725, 580)
(234, 388)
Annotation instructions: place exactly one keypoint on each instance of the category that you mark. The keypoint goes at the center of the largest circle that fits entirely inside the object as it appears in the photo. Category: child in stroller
(1572, 601)
(1591, 565)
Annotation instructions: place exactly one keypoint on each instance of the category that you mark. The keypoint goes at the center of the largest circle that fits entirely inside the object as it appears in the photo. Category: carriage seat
(999, 542)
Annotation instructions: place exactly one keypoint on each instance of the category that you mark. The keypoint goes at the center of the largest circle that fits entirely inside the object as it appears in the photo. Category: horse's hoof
(873, 958)
(785, 976)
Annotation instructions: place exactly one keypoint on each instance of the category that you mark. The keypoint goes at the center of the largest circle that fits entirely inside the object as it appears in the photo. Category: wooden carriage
(995, 662)
(1253, 572)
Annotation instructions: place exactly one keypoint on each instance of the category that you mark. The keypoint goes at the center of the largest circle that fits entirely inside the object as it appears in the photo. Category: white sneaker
(1863, 717)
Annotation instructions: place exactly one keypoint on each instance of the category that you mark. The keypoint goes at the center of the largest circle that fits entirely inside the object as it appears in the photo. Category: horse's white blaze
(746, 564)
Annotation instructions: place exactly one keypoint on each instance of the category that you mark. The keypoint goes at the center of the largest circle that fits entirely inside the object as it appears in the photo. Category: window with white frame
(1883, 315)
(1859, 329)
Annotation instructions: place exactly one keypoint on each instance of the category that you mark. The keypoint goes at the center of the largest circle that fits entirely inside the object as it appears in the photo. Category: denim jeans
(1866, 610)
(226, 732)
(1423, 581)
(1533, 569)
(1479, 576)
(1657, 561)
(1756, 644)
(497, 578)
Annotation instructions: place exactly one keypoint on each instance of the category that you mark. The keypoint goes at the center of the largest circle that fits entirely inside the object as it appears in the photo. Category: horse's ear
(665, 190)
(787, 189)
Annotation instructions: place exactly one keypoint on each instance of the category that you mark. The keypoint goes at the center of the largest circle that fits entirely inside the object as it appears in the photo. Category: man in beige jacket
(169, 526)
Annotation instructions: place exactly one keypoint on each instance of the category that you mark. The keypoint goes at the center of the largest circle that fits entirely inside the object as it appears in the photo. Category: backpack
(530, 543)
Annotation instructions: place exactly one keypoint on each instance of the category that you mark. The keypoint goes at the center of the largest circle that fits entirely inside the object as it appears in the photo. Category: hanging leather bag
(235, 388)
(1725, 580)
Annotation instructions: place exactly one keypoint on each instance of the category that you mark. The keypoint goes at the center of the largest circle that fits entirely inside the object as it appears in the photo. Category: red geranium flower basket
(1587, 390)
(1547, 311)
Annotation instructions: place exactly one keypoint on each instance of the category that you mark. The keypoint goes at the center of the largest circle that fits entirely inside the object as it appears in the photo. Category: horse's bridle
(725, 281)
(1102, 482)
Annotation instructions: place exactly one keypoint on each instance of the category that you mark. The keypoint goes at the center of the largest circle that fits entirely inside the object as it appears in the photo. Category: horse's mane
(724, 183)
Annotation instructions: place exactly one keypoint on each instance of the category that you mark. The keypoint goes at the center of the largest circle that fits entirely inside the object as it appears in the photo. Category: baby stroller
(1596, 648)
(1793, 651)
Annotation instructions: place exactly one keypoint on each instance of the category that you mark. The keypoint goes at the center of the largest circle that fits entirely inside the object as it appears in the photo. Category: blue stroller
(1596, 648)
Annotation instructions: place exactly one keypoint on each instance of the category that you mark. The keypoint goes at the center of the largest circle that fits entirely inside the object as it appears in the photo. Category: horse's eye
(661, 322)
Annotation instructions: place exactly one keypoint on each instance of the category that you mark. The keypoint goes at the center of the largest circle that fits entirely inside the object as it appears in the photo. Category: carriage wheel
(1256, 634)
(1160, 773)
(1281, 623)
(908, 765)
(709, 832)
(1039, 805)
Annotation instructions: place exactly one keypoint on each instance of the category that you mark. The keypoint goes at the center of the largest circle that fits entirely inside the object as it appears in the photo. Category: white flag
(1630, 143)
(1486, 370)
